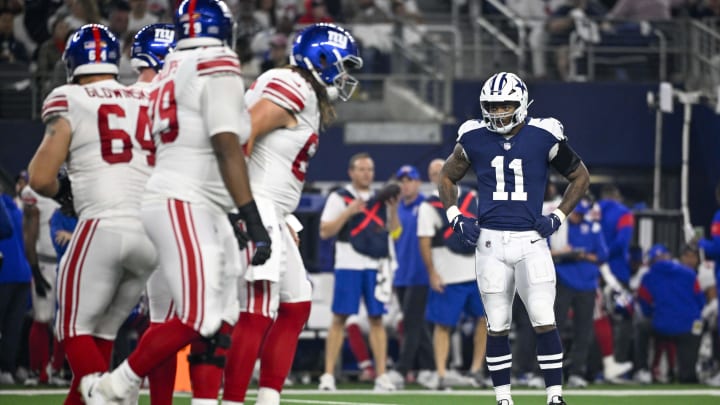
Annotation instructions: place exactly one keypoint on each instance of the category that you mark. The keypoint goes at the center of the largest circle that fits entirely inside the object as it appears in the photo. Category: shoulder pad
(468, 126)
(550, 125)
(285, 88)
(56, 103)
(217, 60)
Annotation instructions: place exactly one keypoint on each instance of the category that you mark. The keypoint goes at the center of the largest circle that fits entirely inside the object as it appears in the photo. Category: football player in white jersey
(200, 175)
(40, 253)
(149, 48)
(288, 107)
(93, 124)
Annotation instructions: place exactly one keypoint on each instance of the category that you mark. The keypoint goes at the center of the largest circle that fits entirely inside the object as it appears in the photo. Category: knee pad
(540, 309)
(214, 348)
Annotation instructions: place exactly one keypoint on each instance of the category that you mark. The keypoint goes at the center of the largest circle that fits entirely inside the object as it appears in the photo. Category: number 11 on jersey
(516, 166)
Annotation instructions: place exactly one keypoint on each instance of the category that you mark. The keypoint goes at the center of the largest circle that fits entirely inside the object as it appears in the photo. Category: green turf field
(655, 395)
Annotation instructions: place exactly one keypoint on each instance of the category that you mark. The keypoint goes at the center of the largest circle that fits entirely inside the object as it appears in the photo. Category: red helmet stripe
(98, 43)
(191, 14)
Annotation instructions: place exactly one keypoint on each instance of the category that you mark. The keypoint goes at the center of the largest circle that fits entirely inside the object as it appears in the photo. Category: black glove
(239, 228)
(547, 225)
(41, 285)
(256, 231)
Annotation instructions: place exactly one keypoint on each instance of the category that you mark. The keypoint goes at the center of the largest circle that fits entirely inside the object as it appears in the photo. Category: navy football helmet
(202, 22)
(151, 44)
(91, 50)
(328, 52)
(504, 87)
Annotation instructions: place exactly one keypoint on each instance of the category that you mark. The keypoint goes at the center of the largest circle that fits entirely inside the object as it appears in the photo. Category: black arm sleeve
(566, 160)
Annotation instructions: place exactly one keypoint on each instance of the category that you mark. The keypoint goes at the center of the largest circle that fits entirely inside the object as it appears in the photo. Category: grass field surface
(664, 395)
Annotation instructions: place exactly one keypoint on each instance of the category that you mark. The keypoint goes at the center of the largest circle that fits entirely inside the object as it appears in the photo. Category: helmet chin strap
(332, 92)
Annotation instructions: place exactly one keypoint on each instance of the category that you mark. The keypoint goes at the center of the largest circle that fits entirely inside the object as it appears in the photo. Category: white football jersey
(198, 94)
(46, 207)
(109, 159)
(279, 160)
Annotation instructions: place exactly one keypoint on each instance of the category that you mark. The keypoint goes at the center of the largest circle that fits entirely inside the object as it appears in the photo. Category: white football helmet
(504, 87)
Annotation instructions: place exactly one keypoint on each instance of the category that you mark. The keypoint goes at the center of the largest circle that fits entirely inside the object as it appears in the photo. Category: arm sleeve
(287, 91)
(563, 158)
(56, 105)
(223, 106)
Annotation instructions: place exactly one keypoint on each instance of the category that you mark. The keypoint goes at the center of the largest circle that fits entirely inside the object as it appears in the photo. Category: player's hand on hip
(467, 228)
(547, 225)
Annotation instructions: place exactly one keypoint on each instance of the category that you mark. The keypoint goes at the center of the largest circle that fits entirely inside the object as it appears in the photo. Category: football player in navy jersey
(511, 154)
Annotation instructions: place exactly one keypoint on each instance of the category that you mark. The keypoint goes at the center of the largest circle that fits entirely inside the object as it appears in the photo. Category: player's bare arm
(453, 171)
(267, 116)
(233, 169)
(579, 183)
(50, 155)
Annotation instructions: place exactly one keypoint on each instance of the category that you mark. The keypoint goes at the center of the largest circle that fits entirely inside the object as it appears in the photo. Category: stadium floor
(635, 395)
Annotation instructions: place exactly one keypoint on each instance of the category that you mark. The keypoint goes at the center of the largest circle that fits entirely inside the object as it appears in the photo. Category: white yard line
(462, 393)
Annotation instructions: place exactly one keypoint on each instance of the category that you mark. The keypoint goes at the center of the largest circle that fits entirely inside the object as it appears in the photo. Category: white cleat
(95, 390)
(575, 381)
(383, 383)
(327, 383)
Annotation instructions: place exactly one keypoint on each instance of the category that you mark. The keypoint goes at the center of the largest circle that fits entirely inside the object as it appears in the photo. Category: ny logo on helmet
(337, 39)
(164, 35)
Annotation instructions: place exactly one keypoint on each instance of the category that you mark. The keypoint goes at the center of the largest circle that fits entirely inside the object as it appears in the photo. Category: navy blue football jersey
(511, 172)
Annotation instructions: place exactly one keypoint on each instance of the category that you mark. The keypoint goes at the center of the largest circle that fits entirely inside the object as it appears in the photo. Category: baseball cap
(657, 250)
(411, 172)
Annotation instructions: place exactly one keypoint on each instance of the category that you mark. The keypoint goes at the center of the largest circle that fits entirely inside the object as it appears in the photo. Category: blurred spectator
(315, 12)
(411, 277)
(140, 16)
(618, 225)
(77, 13)
(14, 292)
(11, 50)
(670, 296)
(577, 256)
(534, 12)
(20, 31)
(277, 56)
(451, 270)
(574, 15)
(247, 45)
(50, 53)
(119, 20)
(265, 13)
(373, 31)
(636, 10)
(37, 13)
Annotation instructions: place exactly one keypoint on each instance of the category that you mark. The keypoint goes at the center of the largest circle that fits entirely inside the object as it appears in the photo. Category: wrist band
(559, 214)
(452, 212)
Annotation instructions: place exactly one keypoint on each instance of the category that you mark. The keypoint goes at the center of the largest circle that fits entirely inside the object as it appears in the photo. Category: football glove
(256, 232)
(41, 285)
(64, 195)
(547, 225)
(467, 228)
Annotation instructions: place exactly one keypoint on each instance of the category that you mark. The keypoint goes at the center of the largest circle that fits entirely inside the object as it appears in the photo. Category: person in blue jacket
(711, 247)
(411, 280)
(671, 297)
(14, 291)
(578, 273)
(618, 225)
